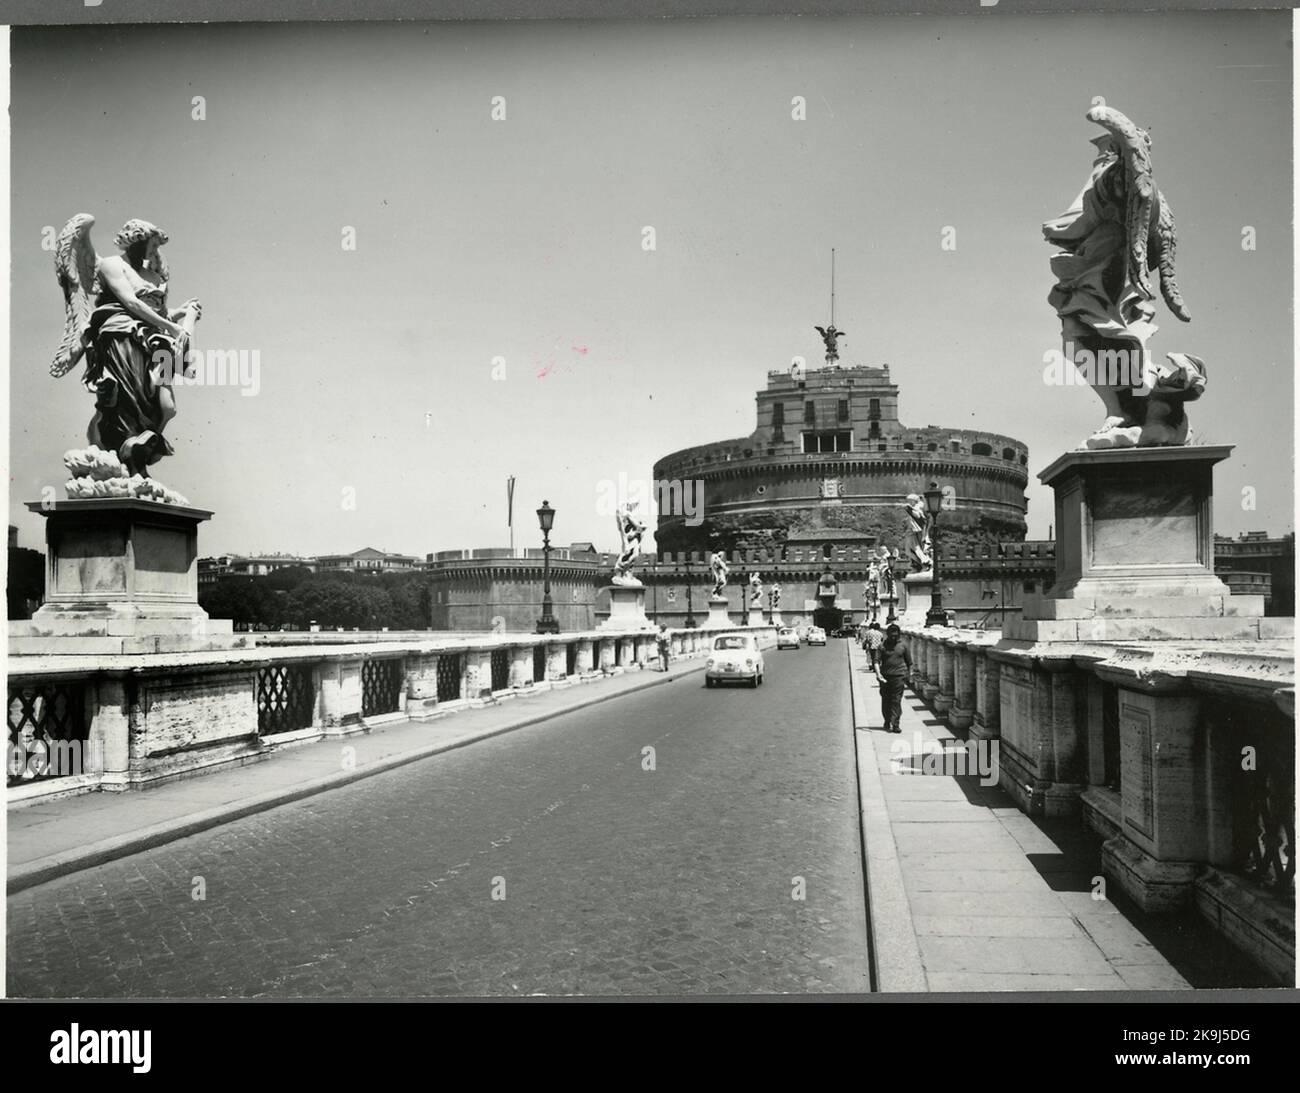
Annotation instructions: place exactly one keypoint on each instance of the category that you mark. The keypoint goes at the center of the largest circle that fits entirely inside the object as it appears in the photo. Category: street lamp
(936, 616)
(546, 519)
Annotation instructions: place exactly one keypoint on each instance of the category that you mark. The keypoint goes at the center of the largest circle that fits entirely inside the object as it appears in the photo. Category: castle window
(820, 443)
(980, 449)
(908, 446)
(873, 409)
(932, 447)
(842, 412)
(809, 413)
(1008, 453)
(874, 429)
(778, 414)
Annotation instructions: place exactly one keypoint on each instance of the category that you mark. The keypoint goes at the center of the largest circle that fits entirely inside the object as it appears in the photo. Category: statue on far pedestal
(630, 530)
(918, 533)
(885, 565)
(118, 323)
(775, 592)
(755, 590)
(718, 566)
(1120, 228)
(871, 591)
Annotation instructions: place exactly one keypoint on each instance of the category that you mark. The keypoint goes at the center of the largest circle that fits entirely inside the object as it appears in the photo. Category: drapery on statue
(918, 533)
(830, 338)
(1118, 230)
(720, 569)
(630, 530)
(755, 590)
(118, 323)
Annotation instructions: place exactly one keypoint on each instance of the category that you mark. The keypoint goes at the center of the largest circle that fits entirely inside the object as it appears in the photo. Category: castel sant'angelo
(830, 460)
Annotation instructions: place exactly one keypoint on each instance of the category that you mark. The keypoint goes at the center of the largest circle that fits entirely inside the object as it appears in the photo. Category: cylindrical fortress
(830, 453)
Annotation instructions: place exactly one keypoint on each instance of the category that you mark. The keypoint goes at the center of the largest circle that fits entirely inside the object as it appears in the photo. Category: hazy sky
(522, 239)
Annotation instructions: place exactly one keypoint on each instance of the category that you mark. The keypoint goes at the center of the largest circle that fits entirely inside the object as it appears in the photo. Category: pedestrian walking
(665, 648)
(892, 664)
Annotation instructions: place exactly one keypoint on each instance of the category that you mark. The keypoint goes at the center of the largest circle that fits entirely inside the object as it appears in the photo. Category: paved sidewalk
(54, 838)
(966, 892)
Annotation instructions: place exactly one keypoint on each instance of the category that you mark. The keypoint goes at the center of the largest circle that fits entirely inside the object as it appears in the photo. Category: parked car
(787, 638)
(734, 656)
(816, 636)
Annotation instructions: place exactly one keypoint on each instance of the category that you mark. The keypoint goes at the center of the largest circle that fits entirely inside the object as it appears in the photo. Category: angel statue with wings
(1118, 231)
(918, 533)
(118, 324)
(831, 339)
(719, 568)
(630, 530)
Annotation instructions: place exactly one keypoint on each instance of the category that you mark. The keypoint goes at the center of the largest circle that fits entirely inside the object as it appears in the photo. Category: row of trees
(295, 597)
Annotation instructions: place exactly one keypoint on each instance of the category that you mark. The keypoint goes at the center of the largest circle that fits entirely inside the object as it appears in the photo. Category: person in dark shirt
(892, 664)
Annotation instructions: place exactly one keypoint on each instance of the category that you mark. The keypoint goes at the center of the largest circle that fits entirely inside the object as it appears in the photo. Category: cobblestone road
(616, 879)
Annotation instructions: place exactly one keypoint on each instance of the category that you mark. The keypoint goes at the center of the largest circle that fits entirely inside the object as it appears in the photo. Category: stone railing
(1181, 756)
(114, 722)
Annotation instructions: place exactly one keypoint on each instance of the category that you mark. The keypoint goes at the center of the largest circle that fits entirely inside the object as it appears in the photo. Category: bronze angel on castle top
(119, 326)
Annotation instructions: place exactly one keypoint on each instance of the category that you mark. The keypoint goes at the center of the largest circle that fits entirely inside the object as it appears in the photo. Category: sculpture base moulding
(626, 609)
(718, 618)
(121, 576)
(1135, 553)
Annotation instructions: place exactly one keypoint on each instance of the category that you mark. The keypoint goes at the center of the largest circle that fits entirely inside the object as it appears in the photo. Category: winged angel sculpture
(119, 326)
(1119, 229)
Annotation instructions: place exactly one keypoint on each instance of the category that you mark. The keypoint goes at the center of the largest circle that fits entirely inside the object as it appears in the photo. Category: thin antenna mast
(832, 286)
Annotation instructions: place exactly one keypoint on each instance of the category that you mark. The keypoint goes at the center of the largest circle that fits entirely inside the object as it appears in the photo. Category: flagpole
(510, 511)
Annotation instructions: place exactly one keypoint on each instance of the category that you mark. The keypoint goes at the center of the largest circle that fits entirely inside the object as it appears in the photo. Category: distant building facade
(495, 588)
(823, 578)
(1260, 564)
(829, 452)
(214, 569)
(366, 560)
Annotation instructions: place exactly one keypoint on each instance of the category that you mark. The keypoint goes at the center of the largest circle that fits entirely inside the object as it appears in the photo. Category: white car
(816, 636)
(787, 638)
(734, 656)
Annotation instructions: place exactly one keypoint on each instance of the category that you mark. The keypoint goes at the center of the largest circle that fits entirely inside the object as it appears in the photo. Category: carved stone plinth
(626, 609)
(1135, 552)
(718, 618)
(918, 589)
(755, 617)
(121, 576)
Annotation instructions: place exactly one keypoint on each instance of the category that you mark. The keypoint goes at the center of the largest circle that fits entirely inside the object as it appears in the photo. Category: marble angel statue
(719, 568)
(918, 533)
(1116, 234)
(118, 325)
(630, 530)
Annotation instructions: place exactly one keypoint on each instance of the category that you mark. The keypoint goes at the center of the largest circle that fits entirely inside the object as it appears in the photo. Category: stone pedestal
(1135, 552)
(626, 609)
(777, 621)
(121, 576)
(755, 617)
(718, 618)
(918, 588)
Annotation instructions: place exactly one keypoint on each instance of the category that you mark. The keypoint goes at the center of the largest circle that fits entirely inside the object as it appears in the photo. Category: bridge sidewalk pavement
(52, 838)
(966, 892)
